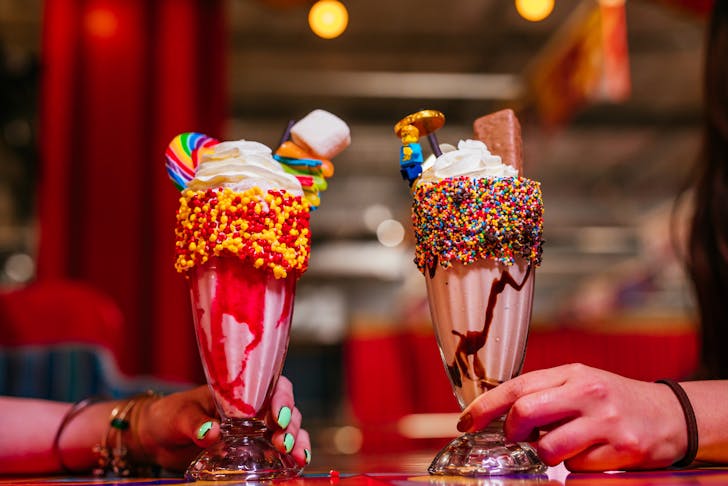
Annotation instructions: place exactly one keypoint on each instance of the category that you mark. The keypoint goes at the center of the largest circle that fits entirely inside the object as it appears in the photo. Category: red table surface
(691, 477)
(410, 470)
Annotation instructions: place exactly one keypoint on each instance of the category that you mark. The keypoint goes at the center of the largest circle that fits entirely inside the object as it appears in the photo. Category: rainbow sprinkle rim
(466, 220)
(268, 230)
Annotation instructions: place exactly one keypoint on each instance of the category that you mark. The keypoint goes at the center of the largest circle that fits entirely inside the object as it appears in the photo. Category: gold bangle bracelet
(112, 452)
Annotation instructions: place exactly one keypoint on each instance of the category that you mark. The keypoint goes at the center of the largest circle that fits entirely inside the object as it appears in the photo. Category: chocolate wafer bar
(501, 132)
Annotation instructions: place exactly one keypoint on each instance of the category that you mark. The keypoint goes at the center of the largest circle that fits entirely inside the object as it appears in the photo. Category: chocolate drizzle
(472, 341)
(433, 267)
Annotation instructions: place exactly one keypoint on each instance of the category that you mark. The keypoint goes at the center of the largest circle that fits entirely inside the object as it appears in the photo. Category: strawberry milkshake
(242, 242)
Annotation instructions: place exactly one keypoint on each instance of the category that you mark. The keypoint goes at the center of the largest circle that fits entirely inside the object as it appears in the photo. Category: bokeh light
(328, 18)
(534, 10)
(374, 215)
(390, 232)
(348, 440)
(19, 267)
(102, 22)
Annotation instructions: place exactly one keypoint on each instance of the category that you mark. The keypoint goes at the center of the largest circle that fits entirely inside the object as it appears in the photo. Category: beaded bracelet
(112, 453)
(72, 413)
(690, 420)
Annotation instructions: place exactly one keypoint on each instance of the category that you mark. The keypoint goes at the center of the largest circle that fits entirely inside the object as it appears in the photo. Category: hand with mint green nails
(44, 437)
(285, 422)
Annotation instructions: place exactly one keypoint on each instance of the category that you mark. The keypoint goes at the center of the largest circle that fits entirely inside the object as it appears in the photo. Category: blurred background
(91, 91)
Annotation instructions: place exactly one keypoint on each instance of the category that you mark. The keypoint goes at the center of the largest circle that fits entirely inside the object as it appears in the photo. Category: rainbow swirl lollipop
(182, 155)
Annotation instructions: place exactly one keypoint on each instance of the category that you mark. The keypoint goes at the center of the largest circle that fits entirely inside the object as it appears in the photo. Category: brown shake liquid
(473, 341)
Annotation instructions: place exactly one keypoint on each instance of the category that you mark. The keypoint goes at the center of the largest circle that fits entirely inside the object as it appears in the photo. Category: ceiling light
(534, 10)
(328, 18)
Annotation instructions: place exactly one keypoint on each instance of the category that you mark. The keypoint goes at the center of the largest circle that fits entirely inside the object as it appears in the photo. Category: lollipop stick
(434, 144)
(287, 132)
(426, 122)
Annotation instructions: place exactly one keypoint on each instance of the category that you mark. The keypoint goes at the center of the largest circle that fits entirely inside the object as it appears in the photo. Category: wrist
(72, 441)
(120, 451)
(141, 445)
(685, 425)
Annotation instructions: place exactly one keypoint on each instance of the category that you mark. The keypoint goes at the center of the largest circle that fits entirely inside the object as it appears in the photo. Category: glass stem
(241, 428)
(496, 426)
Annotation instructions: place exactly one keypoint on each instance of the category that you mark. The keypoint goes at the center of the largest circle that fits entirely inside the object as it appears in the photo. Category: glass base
(243, 454)
(486, 453)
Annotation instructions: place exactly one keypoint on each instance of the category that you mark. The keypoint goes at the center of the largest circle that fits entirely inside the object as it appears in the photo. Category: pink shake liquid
(242, 321)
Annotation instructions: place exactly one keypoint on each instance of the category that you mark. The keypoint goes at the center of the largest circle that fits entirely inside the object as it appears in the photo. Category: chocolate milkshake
(481, 313)
(478, 230)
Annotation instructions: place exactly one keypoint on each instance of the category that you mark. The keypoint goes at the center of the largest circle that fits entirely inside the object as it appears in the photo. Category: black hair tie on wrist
(690, 420)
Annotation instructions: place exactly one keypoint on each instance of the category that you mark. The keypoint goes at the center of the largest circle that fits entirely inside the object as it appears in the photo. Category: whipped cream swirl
(471, 158)
(242, 165)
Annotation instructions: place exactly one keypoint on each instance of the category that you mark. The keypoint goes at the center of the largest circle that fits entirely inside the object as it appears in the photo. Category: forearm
(710, 402)
(29, 428)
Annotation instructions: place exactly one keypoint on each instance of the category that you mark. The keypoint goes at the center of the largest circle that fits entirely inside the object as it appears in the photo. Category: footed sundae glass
(242, 240)
(478, 231)
(481, 314)
(242, 319)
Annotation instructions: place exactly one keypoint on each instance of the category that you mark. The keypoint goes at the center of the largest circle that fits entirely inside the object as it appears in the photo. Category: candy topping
(310, 171)
(466, 220)
(269, 230)
(182, 155)
(314, 140)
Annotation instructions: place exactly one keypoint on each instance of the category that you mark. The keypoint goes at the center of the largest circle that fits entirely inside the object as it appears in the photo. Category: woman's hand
(590, 419)
(284, 420)
(170, 431)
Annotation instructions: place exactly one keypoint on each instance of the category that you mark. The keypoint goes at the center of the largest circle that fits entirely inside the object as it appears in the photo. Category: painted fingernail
(288, 441)
(465, 422)
(204, 429)
(307, 454)
(284, 417)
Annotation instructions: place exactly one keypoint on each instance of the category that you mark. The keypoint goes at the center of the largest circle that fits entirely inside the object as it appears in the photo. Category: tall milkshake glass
(242, 321)
(242, 242)
(478, 227)
(481, 313)
(242, 249)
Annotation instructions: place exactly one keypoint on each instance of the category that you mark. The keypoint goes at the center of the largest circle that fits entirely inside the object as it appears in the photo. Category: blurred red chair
(671, 351)
(391, 374)
(396, 373)
(59, 340)
(47, 313)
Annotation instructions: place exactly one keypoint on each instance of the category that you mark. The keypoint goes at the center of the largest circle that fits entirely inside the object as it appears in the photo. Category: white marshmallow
(321, 133)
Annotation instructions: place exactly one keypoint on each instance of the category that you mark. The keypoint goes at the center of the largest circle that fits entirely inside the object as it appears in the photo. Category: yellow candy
(279, 272)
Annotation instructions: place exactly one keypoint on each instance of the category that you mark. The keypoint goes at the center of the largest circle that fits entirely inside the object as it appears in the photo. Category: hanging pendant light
(534, 10)
(328, 18)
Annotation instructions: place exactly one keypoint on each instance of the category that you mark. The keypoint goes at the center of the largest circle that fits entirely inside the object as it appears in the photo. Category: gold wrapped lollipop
(409, 129)
(426, 122)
